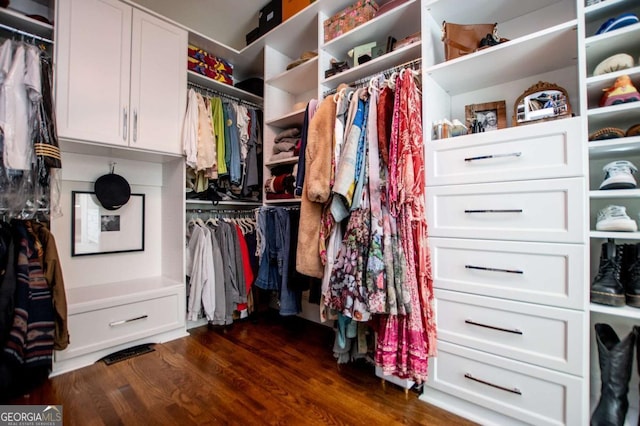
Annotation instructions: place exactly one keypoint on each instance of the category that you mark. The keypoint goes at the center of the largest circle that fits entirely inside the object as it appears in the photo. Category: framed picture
(486, 117)
(96, 230)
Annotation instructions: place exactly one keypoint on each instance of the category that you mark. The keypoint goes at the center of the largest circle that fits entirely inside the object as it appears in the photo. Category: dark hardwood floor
(265, 370)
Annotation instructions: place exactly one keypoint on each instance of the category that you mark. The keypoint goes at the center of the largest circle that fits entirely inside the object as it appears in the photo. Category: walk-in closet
(320, 211)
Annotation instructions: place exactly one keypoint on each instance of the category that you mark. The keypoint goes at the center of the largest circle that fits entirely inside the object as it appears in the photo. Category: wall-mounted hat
(112, 190)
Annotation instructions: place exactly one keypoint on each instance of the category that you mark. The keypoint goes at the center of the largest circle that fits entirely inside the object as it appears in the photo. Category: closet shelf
(598, 47)
(615, 235)
(618, 311)
(613, 116)
(23, 22)
(596, 84)
(620, 193)
(299, 79)
(292, 160)
(623, 146)
(378, 64)
(400, 22)
(209, 204)
(533, 54)
(483, 10)
(602, 10)
(294, 118)
(228, 89)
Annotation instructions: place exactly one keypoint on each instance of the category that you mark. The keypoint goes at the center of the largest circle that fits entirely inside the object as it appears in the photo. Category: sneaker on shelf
(619, 175)
(618, 22)
(621, 92)
(614, 218)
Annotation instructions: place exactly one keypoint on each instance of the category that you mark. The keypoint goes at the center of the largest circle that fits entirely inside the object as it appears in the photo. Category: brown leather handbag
(462, 39)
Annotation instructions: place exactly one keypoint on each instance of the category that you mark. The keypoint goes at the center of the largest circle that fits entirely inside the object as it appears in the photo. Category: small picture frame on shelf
(486, 116)
(96, 230)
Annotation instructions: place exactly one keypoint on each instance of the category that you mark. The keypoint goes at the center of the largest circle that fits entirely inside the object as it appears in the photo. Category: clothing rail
(214, 92)
(413, 64)
(224, 211)
(25, 33)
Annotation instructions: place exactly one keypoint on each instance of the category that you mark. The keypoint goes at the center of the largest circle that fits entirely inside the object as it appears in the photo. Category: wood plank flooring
(264, 371)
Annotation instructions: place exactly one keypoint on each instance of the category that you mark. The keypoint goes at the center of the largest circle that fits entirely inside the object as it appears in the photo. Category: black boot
(606, 288)
(615, 358)
(631, 274)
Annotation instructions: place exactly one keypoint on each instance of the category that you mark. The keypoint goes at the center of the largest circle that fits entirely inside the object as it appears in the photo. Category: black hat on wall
(112, 190)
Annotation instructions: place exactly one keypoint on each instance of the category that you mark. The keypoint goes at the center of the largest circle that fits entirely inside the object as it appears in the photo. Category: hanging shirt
(206, 157)
(14, 113)
(190, 130)
(217, 118)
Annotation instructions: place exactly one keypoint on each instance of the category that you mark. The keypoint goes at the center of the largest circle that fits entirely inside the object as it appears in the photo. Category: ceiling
(224, 21)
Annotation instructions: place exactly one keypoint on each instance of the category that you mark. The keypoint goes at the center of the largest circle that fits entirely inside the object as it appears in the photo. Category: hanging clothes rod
(26, 34)
(223, 211)
(214, 92)
(413, 64)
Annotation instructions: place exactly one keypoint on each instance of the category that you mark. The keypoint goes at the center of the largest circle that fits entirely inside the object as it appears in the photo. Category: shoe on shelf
(615, 218)
(617, 62)
(607, 133)
(606, 287)
(616, 23)
(619, 175)
(633, 131)
(622, 91)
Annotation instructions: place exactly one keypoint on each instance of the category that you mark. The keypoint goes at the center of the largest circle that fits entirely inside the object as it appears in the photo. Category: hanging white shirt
(190, 130)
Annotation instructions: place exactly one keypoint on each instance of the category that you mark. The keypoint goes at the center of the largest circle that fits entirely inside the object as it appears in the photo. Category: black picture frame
(96, 230)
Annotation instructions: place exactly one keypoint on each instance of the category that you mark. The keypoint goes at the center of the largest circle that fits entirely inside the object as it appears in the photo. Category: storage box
(349, 18)
(291, 7)
(270, 16)
(252, 35)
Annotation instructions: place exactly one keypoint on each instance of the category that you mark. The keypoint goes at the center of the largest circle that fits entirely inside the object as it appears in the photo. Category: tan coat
(316, 190)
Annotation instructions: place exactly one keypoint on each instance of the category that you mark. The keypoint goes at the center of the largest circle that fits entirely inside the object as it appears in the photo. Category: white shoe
(619, 175)
(614, 218)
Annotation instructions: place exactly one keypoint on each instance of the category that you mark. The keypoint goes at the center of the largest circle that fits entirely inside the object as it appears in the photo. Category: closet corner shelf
(22, 22)
(482, 11)
(379, 64)
(298, 79)
(534, 54)
(294, 118)
(619, 311)
(613, 116)
(400, 21)
(615, 235)
(228, 89)
(283, 162)
(619, 193)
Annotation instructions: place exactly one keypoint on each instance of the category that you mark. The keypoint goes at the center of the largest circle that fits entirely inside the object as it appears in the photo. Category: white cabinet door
(92, 70)
(158, 84)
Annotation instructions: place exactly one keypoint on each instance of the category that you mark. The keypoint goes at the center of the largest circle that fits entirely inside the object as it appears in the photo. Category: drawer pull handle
(486, 157)
(514, 390)
(121, 322)
(483, 268)
(492, 327)
(495, 211)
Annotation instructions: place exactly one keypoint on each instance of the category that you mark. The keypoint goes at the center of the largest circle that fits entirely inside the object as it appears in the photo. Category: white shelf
(615, 235)
(596, 84)
(602, 10)
(399, 22)
(615, 193)
(483, 10)
(22, 22)
(622, 116)
(379, 64)
(297, 80)
(294, 118)
(618, 311)
(619, 146)
(286, 161)
(599, 47)
(228, 89)
(530, 55)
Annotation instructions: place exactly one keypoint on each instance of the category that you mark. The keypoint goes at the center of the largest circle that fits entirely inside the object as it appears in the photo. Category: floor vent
(127, 353)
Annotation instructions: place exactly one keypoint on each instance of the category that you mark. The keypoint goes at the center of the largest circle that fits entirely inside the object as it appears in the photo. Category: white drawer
(549, 274)
(543, 210)
(542, 335)
(538, 151)
(528, 393)
(94, 330)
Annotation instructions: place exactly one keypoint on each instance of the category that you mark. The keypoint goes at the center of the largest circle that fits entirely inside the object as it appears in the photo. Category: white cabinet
(507, 222)
(121, 76)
